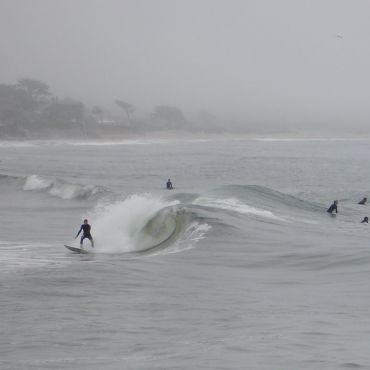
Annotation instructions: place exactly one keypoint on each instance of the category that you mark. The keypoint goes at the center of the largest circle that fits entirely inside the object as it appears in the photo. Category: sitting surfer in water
(363, 201)
(333, 207)
(169, 184)
(365, 220)
(85, 227)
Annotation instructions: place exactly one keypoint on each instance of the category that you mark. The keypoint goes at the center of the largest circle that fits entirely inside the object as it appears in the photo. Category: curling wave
(149, 224)
(144, 223)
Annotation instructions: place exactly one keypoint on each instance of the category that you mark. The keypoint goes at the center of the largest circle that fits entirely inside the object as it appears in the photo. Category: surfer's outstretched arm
(78, 232)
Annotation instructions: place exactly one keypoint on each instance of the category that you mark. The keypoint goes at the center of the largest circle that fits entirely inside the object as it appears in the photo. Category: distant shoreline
(181, 136)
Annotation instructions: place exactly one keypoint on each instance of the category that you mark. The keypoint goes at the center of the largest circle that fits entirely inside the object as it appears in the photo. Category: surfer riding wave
(86, 228)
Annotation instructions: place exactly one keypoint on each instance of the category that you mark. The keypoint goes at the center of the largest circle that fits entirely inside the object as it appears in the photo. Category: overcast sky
(274, 61)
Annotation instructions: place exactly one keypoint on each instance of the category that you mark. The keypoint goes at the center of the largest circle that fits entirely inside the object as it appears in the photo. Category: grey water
(238, 267)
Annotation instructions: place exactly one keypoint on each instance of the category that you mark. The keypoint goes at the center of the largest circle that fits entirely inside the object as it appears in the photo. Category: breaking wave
(59, 188)
(144, 223)
(152, 224)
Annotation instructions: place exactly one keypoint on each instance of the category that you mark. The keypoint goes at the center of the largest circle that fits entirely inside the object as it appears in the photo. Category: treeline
(29, 107)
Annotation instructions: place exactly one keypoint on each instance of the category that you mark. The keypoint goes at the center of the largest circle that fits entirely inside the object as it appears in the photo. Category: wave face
(267, 197)
(235, 205)
(260, 204)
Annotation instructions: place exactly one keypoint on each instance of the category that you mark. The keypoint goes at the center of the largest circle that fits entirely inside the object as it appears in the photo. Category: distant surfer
(365, 220)
(333, 207)
(363, 201)
(169, 184)
(86, 228)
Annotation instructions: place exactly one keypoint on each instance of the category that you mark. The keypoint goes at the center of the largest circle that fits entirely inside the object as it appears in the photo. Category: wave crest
(235, 205)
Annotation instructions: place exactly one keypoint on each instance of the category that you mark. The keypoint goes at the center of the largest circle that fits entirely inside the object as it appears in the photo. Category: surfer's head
(86, 221)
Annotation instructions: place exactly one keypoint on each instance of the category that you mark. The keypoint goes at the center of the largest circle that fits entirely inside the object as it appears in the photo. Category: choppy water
(239, 267)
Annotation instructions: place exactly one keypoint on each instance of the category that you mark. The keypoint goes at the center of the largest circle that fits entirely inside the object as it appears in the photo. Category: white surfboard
(76, 250)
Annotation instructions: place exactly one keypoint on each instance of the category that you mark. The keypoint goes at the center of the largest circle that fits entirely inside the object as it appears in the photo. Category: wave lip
(59, 188)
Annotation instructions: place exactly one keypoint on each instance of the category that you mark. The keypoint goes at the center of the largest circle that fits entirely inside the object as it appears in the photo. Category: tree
(205, 120)
(128, 108)
(15, 109)
(97, 113)
(168, 117)
(66, 113)
(36, 90)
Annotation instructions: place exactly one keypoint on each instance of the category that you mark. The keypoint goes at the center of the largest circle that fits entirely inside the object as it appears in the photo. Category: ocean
(238, 267)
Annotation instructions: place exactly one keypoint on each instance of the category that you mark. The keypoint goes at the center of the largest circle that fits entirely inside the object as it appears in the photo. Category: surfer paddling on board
(169, 184)
(333, 207)
(85, 227)
(362, 201)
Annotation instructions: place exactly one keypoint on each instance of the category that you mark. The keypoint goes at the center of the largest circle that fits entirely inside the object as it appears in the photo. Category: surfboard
(76, 250)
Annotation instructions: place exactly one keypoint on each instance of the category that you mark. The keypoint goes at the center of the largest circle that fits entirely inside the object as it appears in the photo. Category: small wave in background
(59, 188)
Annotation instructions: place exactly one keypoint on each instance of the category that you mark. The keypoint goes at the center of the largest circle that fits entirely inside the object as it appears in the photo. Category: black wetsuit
(86, 233)
(169, 185)
(333, 208)
(363, 201)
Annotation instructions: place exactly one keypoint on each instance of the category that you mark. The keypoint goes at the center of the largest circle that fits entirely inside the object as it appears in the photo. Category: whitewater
(238, 267)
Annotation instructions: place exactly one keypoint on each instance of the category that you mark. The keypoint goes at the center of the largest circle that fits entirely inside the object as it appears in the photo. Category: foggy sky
(286, 61)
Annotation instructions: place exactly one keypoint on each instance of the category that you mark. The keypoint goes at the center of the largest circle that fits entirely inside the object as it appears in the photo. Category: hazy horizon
(280, 64)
